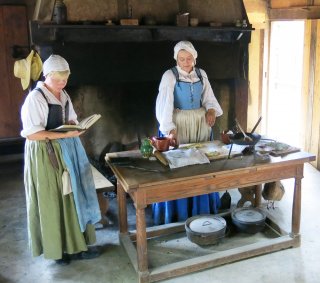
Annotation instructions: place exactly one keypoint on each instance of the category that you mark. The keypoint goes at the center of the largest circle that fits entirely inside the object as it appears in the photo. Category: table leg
(104, 205)
(258, 195)
(296, 208)
(142, 245)
(122, 209)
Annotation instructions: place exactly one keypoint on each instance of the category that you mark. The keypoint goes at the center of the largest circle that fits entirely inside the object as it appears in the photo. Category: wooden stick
(256, 125)
(160, 157)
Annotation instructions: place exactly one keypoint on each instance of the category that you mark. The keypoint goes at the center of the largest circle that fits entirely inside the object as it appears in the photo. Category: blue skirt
(181, 209)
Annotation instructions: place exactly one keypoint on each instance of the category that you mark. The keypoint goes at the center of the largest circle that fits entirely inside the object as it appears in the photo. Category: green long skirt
(53, 226)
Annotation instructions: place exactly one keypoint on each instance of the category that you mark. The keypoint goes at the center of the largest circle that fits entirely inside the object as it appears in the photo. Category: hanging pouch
(66, 182)
(51, 154)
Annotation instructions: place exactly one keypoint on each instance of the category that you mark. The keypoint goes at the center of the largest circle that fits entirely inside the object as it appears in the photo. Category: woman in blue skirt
(186, 110)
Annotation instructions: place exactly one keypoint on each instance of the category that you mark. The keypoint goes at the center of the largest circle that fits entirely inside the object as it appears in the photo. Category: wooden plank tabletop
(142, 172)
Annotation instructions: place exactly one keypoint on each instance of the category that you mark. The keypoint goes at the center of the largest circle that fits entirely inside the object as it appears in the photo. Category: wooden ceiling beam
(295, 13)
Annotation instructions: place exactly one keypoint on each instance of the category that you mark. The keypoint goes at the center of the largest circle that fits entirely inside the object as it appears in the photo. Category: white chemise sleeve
(35, 110)
(34, 114)
(165, 102)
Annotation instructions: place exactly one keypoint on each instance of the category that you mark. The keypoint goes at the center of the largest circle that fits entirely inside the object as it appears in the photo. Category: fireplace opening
(120, 81)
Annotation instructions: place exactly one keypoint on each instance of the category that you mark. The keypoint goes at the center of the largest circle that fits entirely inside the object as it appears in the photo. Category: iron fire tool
(52, 154)
(128, 162)
(256, 125)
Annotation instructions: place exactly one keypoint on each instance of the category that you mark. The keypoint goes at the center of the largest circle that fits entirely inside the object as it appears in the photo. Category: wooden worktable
(148, 182)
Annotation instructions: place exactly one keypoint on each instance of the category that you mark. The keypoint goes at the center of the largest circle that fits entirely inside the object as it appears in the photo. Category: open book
(82, 126)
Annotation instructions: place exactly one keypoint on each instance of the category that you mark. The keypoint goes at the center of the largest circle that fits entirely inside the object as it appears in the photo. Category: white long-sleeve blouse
(165, 98)
(34, 111)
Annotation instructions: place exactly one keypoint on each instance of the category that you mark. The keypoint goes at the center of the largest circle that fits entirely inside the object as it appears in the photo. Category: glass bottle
(146, 148)
(59, 13)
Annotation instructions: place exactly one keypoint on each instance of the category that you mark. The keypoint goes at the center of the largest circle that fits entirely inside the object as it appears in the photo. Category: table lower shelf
(171, 254)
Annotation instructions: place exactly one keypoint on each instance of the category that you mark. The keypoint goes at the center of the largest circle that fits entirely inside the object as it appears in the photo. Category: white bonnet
(55, 63)
(185, 45)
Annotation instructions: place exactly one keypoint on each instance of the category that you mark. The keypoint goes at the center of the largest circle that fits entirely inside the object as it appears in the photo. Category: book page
(83, 125)
(89, 121)
(67, 128)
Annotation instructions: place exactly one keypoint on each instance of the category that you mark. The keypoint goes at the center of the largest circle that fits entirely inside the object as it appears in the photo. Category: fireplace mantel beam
(42, 34)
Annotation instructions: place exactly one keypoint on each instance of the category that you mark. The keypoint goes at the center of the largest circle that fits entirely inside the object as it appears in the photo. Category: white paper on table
(180, 157)
(236, 148)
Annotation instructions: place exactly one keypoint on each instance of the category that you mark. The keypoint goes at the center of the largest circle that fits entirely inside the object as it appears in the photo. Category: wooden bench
(102, 185)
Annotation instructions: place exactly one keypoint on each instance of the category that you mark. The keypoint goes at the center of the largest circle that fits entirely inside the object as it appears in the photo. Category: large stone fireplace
(116, 71)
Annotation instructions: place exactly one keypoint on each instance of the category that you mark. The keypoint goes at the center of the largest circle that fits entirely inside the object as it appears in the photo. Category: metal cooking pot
(239, 138)
(249, 220)
(205, 229)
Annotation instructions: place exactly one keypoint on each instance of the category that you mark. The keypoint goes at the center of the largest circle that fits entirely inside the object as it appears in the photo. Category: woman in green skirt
(62, 205)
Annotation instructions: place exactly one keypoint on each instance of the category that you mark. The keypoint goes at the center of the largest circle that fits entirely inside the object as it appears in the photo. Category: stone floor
(299, 265)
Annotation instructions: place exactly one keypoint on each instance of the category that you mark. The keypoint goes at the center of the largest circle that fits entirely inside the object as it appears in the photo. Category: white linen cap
(55, 63)
(185, 45)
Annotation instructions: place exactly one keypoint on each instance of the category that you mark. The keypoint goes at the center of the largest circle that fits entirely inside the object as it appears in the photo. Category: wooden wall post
(13, 31)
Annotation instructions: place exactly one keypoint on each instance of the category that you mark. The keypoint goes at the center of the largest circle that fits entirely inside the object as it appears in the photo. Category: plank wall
(13, 31)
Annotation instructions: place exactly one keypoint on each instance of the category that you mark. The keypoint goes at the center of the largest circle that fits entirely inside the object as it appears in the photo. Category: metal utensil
(245, 136)
(256, 125)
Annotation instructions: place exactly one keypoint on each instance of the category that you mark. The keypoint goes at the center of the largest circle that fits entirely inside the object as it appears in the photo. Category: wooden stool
(250, 194)
(102, 185)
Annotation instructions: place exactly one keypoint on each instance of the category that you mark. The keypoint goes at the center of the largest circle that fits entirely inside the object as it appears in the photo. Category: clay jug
(161, 143)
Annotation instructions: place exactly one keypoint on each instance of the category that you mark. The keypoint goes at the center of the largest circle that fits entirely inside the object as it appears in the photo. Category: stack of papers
(200, 153)
(184, 157)
(215, 149)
